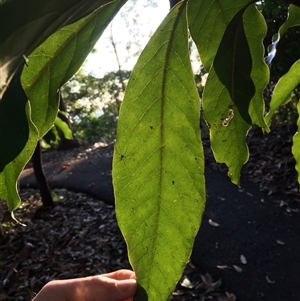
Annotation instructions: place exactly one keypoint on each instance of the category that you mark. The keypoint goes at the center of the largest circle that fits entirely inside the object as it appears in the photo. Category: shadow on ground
(248, 239)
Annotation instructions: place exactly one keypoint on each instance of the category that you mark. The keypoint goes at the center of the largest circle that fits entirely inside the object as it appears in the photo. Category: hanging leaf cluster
(158, 165)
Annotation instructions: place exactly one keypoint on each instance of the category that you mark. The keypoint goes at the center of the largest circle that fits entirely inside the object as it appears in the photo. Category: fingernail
(125, 285)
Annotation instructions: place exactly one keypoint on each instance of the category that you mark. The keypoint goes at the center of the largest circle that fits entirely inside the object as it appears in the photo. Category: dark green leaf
(233, 66)
(49, 66)
(18, 138)
(255, 30)
(14, 129)
(34, 21)
(230, 88)
(51, 136)
(207, 23)
(57, 59)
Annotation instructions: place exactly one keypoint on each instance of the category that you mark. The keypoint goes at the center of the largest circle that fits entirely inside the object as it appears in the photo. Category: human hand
(120, 285)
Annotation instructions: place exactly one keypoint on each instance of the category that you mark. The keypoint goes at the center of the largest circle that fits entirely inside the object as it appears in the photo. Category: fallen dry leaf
(269, 280)
(237, 268)
(222, 267)
(212, 223)
(185, 282)
(78, 237)
(243, 259)
(230, 296)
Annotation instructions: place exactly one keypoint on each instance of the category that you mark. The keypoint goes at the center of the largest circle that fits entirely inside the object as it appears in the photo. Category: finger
(117, 286)
(112, 290)
(98, 288)
(121, 275)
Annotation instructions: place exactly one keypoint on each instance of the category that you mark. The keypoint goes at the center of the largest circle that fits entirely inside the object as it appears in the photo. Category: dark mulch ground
(247, 248)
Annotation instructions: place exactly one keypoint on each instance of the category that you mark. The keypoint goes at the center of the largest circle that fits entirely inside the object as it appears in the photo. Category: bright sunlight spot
(129, 32)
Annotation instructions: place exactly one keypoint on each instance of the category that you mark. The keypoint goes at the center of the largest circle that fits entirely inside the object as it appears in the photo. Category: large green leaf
(18, 138)
(57, 59)
(158, 171)
(207, 23)
(13, 122)
(230, 89)
(34, 21)
(293, 19)
(233, 65)
(255, 30)
(296, 144)
(283, 89)
(49, 66)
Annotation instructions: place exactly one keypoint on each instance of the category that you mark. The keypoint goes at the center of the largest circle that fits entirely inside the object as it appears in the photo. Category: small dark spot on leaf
(173, 182)
(151, 127)
(196, 158)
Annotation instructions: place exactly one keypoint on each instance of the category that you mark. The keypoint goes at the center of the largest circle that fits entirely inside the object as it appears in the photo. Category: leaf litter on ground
(78, 237)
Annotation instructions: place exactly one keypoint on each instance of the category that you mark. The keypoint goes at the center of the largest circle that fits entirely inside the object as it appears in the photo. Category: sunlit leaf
(64, 127)
(57, 59)
(296, 144)
(256, 30)
(239, 66)
(18, 138)
(233, 65)
(33, 22)
(228, 92)
(158, 171)
(49, 66)
(283, 89)
(207, 23)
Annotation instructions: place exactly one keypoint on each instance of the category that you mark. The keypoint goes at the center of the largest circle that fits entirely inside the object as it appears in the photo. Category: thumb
(121, 290)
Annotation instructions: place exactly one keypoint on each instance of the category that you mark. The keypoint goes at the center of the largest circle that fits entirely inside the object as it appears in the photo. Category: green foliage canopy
(93, 105)
(67, 47)
(158, 170)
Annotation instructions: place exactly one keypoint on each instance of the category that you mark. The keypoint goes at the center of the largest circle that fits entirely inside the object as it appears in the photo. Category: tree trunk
(40, 177)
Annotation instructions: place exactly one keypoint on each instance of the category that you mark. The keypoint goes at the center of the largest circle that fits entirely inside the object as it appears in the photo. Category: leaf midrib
(162, 114)
(60, 49)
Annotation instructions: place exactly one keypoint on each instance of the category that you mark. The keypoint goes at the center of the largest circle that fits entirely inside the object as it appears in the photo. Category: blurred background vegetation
(93, 104)
(90, 104)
